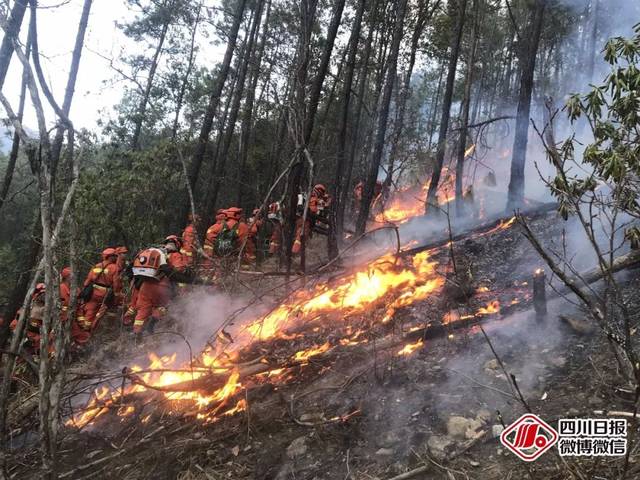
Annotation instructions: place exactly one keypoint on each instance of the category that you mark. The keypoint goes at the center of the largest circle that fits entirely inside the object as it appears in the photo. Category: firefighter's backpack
(148, 262)
(227, 240)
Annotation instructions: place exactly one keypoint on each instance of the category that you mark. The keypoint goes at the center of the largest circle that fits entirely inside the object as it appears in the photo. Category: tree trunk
(247, 116)
(432, 199)
(337, 222)
(516, 183)
(235, 107)
(144, 101)
(593, 36)
(434, 108)
(423, 15)
(13, 31)
(362, 84)
(378, 150)
(464, 117)
(187, 74)
(214, 99)
(15, 145)
(71, 83)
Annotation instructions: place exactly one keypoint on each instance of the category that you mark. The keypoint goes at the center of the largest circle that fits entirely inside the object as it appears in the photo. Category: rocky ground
(371, 414)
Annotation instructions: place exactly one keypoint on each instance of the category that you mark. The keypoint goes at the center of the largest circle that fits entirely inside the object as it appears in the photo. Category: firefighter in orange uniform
(319, 203)
(102, 286)
(255, 224)
(212, 231)
(155, 269)
(226, 236)
(180, 263)
(275, 217)
(188, 248)
(34, 322)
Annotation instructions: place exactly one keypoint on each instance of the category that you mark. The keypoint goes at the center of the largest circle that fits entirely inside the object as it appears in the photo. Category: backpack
(148, 262)
(227, 240)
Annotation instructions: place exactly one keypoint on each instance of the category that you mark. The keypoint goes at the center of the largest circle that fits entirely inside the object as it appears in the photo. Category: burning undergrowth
(329, 370)
(317, 322)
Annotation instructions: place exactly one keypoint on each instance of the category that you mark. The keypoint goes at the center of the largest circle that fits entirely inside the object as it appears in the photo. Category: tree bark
(464, 117)
(214, 99)
(459, 12)
(378, 149)
(235, 107)
(187, 74)
(423, 15)
(71, 82)
(13, 26)
(516, 183)
(247, 116)
(337, 223)
(15, 145)
(144, 101)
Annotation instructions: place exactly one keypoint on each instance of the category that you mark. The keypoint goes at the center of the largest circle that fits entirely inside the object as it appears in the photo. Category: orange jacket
(215, 229)
(189, 240)
(178, 261)
(316, 204)
(106, 275)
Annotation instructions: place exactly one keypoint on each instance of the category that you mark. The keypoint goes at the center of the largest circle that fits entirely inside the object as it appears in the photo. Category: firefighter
(179, 262)
(375, 202)
(221, 217)
(226, 236)
(101, 287)
(319, 203)
(124, 271)
(34, 322)
(189, 235)
(275, 218)
(154, 271)
(255, 224)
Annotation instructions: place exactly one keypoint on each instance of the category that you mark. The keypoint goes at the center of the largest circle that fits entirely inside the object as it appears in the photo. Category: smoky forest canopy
(219, 98)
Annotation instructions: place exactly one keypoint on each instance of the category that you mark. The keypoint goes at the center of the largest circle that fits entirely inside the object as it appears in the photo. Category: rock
(483, 415)
(297, 448)
(580, 327)
(385, 452)
(558, 361)
(473, 463)
(235, 451)
(462, 428)
(211, 453)
(496, 430)
(439, 445)
(491, 365)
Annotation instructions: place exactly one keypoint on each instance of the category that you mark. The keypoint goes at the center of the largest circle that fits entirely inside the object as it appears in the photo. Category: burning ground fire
(408, 203)
(389, 282)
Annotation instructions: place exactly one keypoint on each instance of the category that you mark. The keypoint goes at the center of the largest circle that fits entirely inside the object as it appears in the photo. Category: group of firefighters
(146, 285)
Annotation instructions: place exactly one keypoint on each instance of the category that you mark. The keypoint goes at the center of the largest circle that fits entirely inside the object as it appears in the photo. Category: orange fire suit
(316, 207)
(189, 243)
(103, 277)
(215, 229)
(153, 296)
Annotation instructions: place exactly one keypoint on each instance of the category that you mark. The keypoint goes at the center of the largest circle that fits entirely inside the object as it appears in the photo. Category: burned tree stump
(540, 293)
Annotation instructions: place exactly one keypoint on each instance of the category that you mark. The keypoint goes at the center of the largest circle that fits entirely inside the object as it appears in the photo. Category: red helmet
(234, 212)
(122, 250)
(66, 273)
(175, 240)
(109, 252)
(39, 290)
(221, 214)
(320, 189)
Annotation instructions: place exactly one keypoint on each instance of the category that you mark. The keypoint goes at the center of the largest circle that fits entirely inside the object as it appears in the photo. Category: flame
(410, 348)
(491, 308)
(305, 355)
(409, 202)
(387, 282)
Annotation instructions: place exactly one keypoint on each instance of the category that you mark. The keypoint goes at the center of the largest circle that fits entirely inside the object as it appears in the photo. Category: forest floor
(368, 414)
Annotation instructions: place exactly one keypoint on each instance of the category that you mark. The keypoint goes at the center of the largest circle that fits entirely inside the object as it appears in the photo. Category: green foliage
(133, 207)
(611, 110)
